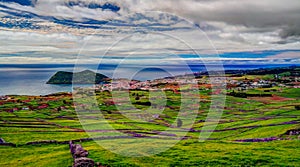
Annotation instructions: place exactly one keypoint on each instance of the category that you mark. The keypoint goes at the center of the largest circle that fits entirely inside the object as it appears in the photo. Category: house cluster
(232, 83)
(169, 83)
(249, 84)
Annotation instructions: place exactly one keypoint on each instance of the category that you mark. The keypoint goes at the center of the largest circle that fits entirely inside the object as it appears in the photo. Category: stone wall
(79, 155)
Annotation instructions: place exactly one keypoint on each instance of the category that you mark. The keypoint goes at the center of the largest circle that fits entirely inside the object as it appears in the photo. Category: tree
(179, 123)
(137, 98)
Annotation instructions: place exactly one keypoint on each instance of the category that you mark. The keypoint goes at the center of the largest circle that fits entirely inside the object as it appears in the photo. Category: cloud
(286, 55)
(58, 29)
(246, 15)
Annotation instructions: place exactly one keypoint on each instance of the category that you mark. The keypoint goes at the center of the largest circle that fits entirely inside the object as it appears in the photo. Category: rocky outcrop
(79, 155)
(77, 151)
(2, 141)
(83, 162)
(293, 132)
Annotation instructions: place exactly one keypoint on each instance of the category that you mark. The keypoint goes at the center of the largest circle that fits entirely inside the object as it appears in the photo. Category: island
(83, 77)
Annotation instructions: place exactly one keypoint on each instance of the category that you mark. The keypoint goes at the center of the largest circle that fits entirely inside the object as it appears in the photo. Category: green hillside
(83, 77)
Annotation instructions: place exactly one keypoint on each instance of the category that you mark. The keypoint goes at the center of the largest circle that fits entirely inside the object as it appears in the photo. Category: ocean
(29, 79)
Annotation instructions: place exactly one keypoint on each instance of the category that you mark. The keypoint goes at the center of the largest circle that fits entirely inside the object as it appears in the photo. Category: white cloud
(286, 55)
(230, 26)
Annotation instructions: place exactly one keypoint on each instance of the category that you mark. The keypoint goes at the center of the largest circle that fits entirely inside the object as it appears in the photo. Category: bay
(30, 79)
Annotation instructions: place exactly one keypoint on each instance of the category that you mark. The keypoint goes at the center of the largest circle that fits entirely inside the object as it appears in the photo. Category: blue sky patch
(21, 2)
(255, 54)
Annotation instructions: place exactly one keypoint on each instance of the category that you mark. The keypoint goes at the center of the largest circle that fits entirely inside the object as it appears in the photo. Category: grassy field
(237, 140)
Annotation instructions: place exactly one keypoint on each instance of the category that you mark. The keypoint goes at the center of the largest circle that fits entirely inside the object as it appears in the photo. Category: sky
(149, 32)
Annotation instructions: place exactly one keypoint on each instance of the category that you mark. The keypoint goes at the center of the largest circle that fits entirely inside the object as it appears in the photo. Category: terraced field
(254, 131)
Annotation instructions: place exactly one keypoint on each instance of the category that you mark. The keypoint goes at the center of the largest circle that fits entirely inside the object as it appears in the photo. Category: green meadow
(253, 131)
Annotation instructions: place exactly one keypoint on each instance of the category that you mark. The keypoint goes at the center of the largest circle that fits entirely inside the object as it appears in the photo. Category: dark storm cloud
(262, 15)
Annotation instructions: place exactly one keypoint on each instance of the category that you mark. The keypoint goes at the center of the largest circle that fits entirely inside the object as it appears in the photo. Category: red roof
(43, 106)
